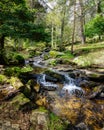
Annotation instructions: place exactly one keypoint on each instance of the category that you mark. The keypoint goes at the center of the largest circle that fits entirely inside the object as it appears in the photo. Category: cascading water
(46, 85)
(71, 88)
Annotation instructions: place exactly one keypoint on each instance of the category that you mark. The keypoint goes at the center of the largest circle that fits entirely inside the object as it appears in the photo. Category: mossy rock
(19, 101)
(55, 54)
(52, 62)
(3, 79)
(15, 82)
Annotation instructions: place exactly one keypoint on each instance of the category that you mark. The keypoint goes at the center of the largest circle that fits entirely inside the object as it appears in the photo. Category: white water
(69, 85)
(71, 88)
(44, 83)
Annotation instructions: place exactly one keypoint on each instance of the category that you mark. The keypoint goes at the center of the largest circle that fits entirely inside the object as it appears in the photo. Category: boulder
(39, 120)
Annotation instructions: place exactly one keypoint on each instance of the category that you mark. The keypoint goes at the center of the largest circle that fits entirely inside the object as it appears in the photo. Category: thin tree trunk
(82, 22)
(62, 33)
(2, 42)
(2, 38)
(74, 23)
(62, 27)
(52, 46)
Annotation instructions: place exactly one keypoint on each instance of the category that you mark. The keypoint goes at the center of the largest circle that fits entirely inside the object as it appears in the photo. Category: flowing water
(69, 101)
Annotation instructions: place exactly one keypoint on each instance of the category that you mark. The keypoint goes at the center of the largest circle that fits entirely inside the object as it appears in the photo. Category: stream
(67, 99)
(63, 90)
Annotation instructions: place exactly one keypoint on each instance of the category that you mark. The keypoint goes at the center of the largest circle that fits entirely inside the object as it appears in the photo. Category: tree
(15, 20)
(95, 27)
(74, 26)
(82, 20)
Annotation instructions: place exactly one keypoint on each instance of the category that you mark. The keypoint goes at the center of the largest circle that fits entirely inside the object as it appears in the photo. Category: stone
(39, 120)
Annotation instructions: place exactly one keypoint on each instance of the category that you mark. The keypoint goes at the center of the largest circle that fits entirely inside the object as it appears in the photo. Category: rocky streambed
(60, 98)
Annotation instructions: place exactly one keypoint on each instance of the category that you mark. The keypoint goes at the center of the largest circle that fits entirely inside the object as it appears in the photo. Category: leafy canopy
(15, 18)
(17, 21)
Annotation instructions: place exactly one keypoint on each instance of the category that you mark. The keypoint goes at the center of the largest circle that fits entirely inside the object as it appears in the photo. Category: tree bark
(62, 26)
(2, 38)
(52, 46)
(73, 33)
(82, 21)
(2, 42)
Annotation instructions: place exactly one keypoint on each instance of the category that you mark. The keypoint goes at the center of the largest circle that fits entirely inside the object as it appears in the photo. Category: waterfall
(46, 85)
(70, 88)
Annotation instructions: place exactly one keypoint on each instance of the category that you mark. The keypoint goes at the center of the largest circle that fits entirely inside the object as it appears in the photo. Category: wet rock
(98, 92)
(55, 74)
(19, 101)
(10, 88)
(82, 126)
(95, 76)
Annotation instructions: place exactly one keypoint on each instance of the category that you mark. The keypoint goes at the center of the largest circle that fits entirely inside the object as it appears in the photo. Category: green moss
(19, 100)
(12, 71)
(27, 68)
(42, 109)
(3, 79)
(56, 123)
(15, 71)
(55, 54)
(53, 62)
(15, 82)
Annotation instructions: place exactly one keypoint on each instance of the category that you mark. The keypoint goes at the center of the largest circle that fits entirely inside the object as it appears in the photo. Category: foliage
(13, 58)
(95, 26)
(15, 18)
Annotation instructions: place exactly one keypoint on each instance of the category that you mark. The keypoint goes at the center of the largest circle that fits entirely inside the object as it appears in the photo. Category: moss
(15, 71)
(42, 109)
(27, 68)
(3, 79)
(53, 62)
(55, 54)
(15, 82)
(12, 71)
(19, 100)
(56, 123)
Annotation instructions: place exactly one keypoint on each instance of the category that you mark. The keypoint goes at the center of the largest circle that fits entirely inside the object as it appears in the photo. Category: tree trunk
(82, 21)
(52, 46)
(2, 42)
(2, 38)
(74, 23)
(62, 33)
(62, 27)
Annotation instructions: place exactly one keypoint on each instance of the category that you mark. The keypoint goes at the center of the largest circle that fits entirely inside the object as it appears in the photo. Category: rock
(82, 126)
(95, 76)
(98, 92)
(39, 120)
(19, 101)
